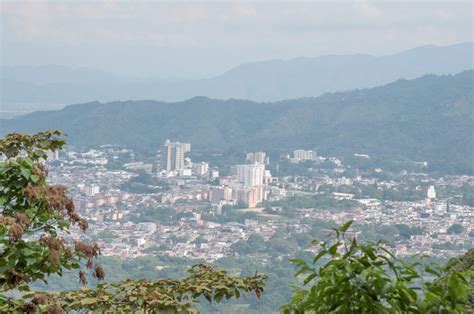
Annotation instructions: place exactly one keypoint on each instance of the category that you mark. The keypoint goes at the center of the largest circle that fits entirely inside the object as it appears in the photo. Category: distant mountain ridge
(259, 81)
(429, 118)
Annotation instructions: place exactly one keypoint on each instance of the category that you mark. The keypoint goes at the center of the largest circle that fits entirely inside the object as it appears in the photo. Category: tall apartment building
(92, 190)
(52, 155)
(250, 175)
(220, 193)
(173, 155)
(201, 168)
(257, 158)
(251, 196)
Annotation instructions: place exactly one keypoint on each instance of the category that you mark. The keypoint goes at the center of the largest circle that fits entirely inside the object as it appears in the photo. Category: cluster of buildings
(97, 181)
(248, 184)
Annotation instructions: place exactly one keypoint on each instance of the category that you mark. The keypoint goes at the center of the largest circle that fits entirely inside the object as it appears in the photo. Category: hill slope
(260, 81)
(430, 118)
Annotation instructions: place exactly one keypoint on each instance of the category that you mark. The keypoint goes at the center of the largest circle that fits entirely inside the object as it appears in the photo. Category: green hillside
(429, 119)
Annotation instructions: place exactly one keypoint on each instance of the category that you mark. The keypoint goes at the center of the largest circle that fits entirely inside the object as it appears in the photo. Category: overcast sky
(194, 40)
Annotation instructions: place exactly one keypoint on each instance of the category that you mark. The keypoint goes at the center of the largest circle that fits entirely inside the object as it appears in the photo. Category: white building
(214, 174)
(173, 155)
(139, 166)
(301, 154)
(431, 193)
(186, 172)
(200, 169)
(52, 155)
(257, 158)
(92, 190)
(250, 175)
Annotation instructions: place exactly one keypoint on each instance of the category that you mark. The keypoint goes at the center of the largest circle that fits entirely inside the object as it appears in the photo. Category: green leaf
(320, 254)
(63, 224)
(26, 173)
(333, 249)
(88, 301)
(34, 178)
(27, 251)
(346, 226)
(309, 278)
(297, 261)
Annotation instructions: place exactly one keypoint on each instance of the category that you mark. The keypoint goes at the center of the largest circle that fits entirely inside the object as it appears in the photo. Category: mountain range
(27, 88)
(425, 119)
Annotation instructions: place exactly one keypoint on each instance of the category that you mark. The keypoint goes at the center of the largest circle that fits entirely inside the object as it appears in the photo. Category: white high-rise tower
(173, 154)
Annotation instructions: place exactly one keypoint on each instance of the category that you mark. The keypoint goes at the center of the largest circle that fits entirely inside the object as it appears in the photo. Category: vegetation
(325, 201)
(160, 296)
(34, 215)
(367, 278)
(455, 229)
(465, 264)
(144, 183)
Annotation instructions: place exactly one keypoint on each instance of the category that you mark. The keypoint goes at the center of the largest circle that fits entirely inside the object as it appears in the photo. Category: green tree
(465, 264)
(455, 229)
(159, 296)
(256, 242)
(33, 213)
(406, 231)
(367, 278)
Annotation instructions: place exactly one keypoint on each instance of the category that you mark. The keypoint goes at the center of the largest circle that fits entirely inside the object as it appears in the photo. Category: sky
(202, 39)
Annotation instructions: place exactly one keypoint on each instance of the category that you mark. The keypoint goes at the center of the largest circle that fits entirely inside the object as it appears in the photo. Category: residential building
(173, 155)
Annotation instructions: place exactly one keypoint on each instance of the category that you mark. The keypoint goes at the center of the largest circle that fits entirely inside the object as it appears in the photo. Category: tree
(33, 218)
(34, 214)
(367, 278)
(160, 296)
(455, 229)
(406, 231)
(465, 264)
(256, 242)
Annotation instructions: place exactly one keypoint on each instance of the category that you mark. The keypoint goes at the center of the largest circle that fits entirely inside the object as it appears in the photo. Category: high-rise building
(173, 155)
(431, 193)
(92, 190)
(52, 155)
(250, 175)
(257, 158)
(219, 193)
(251, 196)
(201, 168)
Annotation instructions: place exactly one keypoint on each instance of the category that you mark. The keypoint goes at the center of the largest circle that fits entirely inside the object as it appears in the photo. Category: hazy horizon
(128, 75)
(199, 40)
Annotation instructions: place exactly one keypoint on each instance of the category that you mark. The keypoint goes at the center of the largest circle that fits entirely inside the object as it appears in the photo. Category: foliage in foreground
(465, 264)
(367, 278)
(143, 296)
(33, 218)
(34, 215)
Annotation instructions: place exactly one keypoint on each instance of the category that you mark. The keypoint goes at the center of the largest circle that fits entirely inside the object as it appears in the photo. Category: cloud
(214, 36)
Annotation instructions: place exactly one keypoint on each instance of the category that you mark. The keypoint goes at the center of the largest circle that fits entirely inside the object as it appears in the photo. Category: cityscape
(236, 157)
(126, 201)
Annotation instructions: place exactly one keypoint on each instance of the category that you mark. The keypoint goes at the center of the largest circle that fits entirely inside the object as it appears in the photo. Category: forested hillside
(426, 119)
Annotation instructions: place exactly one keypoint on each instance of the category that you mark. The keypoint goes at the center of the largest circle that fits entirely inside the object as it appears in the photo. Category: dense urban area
(175, 207)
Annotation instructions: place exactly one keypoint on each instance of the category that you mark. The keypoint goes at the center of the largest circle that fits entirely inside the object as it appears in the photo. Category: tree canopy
(367, 278)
